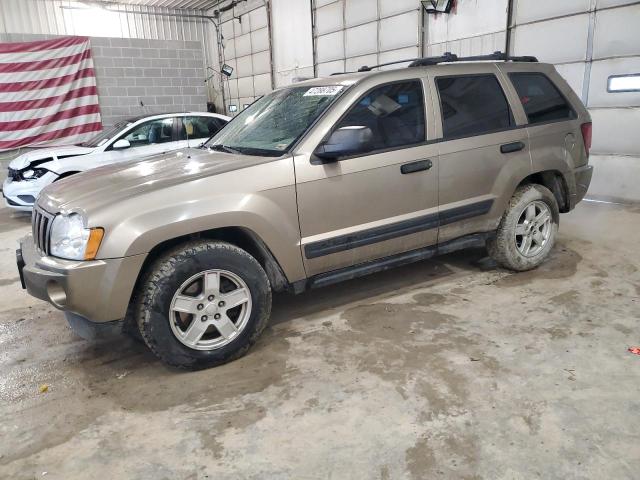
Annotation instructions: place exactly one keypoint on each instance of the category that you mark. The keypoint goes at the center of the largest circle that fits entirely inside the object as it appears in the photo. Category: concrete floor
(449, 368)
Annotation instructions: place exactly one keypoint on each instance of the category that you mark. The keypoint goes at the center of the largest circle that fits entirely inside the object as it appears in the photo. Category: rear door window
(541, 100)
(472, 105)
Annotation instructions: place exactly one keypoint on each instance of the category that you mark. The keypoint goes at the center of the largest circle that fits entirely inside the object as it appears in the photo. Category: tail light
(586, 136)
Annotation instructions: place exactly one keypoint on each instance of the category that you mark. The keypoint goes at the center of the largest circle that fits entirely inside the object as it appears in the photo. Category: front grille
(41, 229)
(14, 175)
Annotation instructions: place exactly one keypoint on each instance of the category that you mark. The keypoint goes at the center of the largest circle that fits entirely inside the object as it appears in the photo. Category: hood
(42, 155)
(112, 183)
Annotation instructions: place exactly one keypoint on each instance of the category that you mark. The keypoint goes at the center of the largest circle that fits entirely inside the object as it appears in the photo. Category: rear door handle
(511, 147)
(418, 166)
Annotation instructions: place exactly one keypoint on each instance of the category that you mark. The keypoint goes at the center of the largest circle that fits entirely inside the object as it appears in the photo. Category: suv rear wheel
(527, 230)
(203, 304)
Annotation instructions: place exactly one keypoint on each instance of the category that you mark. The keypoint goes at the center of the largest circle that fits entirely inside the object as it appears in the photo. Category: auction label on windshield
(323, 91)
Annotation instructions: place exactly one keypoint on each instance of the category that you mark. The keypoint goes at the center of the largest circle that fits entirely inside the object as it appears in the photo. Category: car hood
(112, 183)
(42, 155)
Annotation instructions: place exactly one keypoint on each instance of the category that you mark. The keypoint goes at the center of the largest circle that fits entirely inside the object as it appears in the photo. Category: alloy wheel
(210, 309)
(534, 229)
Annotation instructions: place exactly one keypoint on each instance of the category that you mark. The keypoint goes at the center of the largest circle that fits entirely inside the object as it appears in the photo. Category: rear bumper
(582, 178)
(98, 290)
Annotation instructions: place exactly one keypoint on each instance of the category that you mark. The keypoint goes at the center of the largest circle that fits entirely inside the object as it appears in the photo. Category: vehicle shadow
(399, 280)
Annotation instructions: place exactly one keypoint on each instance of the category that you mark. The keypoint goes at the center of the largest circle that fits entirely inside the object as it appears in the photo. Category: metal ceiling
(174, 4)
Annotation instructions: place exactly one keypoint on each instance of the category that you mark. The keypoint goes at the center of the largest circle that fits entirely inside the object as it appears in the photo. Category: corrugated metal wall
(247, 48)
(351, 33)
(588, 41)
(66, 17)
(474, 27)
(292, 40)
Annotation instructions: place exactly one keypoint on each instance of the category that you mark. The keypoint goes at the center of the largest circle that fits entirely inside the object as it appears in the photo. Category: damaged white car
(128, 140)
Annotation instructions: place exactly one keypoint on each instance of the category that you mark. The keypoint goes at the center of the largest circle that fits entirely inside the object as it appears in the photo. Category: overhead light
(624, 83)
(437, 6)
(227, 70)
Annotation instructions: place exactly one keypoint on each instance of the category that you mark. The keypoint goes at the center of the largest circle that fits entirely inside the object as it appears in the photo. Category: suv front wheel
(202, 304)
(527, 230)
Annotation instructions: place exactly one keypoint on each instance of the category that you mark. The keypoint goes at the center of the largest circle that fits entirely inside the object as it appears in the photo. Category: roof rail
(365, 68)
(449, 57)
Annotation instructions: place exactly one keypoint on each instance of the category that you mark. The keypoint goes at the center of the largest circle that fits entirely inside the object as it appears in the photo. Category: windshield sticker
(323, 91)
(281, 146)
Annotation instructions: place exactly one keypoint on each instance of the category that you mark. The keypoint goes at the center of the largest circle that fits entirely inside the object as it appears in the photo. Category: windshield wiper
(224, 148)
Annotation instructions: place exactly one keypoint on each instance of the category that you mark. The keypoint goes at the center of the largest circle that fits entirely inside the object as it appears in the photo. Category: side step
(321, 280)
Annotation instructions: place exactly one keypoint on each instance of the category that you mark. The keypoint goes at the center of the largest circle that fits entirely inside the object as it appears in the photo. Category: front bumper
(21, 195)
(98, 290)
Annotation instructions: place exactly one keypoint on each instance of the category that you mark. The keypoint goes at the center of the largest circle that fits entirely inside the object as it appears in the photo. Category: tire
(509, 246)
(174, 286)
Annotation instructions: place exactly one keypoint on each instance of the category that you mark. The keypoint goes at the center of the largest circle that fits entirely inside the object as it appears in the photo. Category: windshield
(101, 138)
(274, 122)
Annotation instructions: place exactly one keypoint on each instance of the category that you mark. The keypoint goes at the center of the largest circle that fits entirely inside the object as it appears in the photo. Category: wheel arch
(241, 237)
(555, 181)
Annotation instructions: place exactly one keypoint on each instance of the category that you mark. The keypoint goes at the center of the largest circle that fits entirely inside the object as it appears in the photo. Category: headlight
(71, 239)
(33, 173)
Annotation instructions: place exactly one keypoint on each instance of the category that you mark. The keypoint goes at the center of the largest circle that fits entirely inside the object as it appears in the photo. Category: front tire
(527, 230)
(203, 304)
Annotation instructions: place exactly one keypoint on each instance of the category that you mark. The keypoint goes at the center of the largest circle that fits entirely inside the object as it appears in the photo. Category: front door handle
(511, 147)
(418, 166)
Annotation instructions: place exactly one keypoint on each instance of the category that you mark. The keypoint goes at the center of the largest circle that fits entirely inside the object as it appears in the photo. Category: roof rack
(365, 68)
(449, 57)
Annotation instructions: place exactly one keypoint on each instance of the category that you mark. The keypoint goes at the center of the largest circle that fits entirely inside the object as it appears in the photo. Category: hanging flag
(48, 93)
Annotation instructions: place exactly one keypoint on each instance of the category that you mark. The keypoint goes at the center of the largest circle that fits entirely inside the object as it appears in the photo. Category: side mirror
(121, 144)
(345, 141)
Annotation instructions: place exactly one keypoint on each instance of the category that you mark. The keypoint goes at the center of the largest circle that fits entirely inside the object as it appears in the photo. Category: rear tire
(527, 230)
(185, 310)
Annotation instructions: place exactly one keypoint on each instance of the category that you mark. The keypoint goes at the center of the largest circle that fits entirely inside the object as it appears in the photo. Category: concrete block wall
(139, 76)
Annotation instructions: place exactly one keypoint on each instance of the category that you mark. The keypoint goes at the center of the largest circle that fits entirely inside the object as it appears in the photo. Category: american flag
(48, 93)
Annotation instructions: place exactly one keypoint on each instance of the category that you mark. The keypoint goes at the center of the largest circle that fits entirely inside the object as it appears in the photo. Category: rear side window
(472, 105)
(393, 112)
(541, 100)
(199, 127)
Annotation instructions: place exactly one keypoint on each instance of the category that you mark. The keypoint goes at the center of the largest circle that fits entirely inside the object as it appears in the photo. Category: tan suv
(315, 183)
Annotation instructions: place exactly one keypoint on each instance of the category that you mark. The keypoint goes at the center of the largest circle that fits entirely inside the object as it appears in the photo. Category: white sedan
(128, 140)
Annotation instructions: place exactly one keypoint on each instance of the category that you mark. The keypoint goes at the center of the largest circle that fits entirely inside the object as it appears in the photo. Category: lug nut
(200, 306)
(211, 297)
(204, 318)
(221, 304)
(217, 316)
